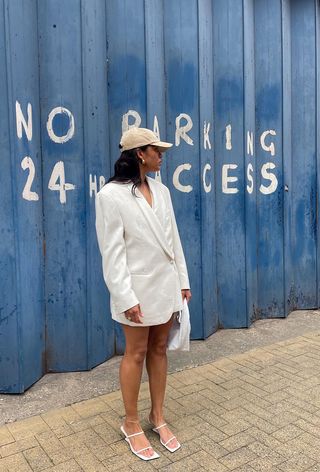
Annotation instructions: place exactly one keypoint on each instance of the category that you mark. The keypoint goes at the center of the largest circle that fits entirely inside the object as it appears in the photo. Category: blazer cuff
(129, 302)
(184, 283)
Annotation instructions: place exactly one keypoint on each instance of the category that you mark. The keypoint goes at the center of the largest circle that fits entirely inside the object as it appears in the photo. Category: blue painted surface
(22, 319)
(304, 175)
(250, 163)
(9, 341)
(287, 157)
(268, 82)
(317, 132)
(96, 138)
(251, 65)
(228, 83)
(64, 224)
(210, 314)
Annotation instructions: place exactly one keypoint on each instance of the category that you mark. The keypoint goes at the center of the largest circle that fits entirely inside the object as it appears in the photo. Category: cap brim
(162, 145)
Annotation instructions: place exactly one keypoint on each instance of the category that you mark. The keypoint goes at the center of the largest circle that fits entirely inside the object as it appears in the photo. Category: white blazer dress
(142, 257)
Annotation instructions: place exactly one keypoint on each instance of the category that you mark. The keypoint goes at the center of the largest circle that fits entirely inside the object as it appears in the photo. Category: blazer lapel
(153, 221)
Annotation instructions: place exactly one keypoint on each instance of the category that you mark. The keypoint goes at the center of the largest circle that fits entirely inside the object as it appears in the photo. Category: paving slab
(254, 410)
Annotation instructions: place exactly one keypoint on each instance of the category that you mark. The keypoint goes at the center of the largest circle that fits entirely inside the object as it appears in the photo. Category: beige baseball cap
(137, 137)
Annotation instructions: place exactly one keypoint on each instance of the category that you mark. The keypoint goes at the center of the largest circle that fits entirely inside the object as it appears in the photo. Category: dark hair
(126, 168)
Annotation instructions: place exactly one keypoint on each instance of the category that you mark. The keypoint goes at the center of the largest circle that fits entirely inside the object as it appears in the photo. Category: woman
(145, 271)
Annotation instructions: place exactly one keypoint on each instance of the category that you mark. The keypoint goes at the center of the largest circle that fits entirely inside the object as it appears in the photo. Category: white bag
(179, 335)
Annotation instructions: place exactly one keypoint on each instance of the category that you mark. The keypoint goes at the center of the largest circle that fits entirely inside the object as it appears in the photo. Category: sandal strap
(161, 426)
(134, 434)
(143, 449)
(173, 437)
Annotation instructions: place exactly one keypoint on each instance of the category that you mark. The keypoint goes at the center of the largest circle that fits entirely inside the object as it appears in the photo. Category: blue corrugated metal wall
(22, 306)
(232, 83)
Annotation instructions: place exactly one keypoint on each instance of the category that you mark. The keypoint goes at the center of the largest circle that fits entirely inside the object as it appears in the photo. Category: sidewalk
(254, 411)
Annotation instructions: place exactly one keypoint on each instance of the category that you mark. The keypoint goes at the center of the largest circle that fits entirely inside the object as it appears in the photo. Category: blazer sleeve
(110, 235)
(177, 249)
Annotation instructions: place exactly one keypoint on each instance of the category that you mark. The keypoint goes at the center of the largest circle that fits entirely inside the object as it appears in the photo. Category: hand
(134, 314)
(186, 294)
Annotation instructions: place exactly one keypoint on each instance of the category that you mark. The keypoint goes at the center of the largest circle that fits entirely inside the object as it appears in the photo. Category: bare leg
(130, 379)
(156, 362)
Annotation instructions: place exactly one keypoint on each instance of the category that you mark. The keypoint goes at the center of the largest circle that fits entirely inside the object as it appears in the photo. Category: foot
(138, 442)
(166, 435)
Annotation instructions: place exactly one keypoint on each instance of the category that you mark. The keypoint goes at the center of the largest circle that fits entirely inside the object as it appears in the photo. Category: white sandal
(171, 449)
(137, 453)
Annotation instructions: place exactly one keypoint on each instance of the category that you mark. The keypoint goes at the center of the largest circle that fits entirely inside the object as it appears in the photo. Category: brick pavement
(250, 412)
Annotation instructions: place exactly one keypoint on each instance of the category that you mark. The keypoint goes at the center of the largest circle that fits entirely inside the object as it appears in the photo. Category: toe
(173, 443)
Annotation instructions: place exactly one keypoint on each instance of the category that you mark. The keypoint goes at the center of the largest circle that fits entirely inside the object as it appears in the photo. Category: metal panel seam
(243, 157)
(165, 111)
(42, 192)
(317, 141)
(282, 165)
(108, 104)
(199, 179)
(85, 173)
(215, 174)
(14, 186)
(145, 58)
